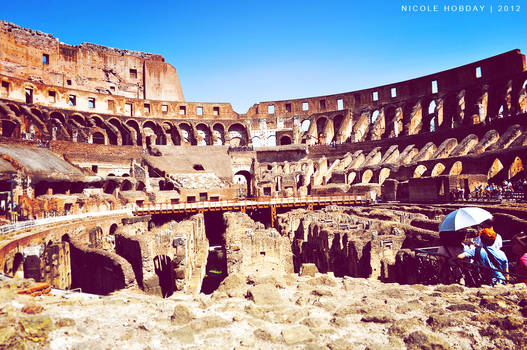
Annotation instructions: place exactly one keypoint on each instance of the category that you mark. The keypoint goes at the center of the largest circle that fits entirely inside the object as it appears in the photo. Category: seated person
(519, 248)
(488, 256)
(489, 225)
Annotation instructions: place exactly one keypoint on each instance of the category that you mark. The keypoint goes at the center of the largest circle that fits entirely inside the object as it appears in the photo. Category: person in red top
(519, 248)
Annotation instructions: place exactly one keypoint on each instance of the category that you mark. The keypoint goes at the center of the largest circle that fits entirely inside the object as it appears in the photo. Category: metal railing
(248, 202)
(5, 229)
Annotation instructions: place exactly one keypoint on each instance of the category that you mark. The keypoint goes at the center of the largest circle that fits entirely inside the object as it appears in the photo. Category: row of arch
(114, 131)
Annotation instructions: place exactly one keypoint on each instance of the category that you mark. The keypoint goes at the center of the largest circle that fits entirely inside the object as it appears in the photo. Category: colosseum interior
(111, 179)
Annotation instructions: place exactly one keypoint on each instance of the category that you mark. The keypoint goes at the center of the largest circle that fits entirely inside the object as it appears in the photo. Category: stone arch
(515, 168)
(305, 125)
(351, 177)
(383, 175)
(524, 86)
(140, 186)
(438, 169)
(202, 135)
(243, 177)
(172, 132)
(366, 176)
(134, 125)
(79, 118)
(17, 269)
(13, 108)
(126, 185)
(113, 229)
(10, 128)
(98, 136)
(256, 141)
(337, 123)
(153, 134)
(374, 116)
(419, 171)
(58, 116)
(285, 140)
(166, 185)
(321, 125)
(495, 168)
(187, 134)
(390, 121)
(237, 135)
(271, 141)
(126, 138)
(96, 120)
(218, 134)
(456, 168)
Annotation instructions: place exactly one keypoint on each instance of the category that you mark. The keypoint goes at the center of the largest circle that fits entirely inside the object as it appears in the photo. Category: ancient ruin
(111, 180)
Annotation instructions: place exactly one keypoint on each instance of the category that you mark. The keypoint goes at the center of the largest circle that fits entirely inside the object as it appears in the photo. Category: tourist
(519, 248)
(493, 260)
(489, 225)
(452, 246)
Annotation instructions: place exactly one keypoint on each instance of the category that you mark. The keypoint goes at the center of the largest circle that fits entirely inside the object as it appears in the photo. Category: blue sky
(249, 51)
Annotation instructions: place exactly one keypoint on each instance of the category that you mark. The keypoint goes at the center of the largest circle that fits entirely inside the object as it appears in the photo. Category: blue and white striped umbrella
(464, 217)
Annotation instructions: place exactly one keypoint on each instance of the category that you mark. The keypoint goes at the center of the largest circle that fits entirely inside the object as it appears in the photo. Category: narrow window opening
(288, 108)
(128, 110)
(112, 88)
(199, 110)
(45, 58)
(305, 106)
(393, 92)
(51, 96)
(322, 104)
(216, 110)
(478, 72)
(133, 73)
(111, 105)
(375, 96)
(94, 168)
(203, 196)
(198, 167)
(147, 108)
(270, 109)
(5, 88)
(91, 102)
(434, 86)
(68, 82)
(29, 95)
(72, 100)
(182, 110)
(340, 104)
(164, 109)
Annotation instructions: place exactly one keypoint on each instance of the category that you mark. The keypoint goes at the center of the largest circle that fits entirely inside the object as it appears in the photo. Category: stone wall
(250, 248)
(167, 258)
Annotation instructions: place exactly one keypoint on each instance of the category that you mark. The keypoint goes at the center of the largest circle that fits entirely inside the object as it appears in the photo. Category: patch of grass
(215, 272)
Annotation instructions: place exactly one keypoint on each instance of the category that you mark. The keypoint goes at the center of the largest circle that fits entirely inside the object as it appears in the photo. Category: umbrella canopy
(464, 217)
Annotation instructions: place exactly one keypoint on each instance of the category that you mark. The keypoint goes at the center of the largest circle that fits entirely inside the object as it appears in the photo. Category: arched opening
(419, 171)
(351, 177)
(383, 175)
(524, 86)
(8, 128)
(135, 127)
(166, 185)
(96, 121)
(433, 124)
(203, 135)
(113, 229)
(305, 125)
(126, 138)
(432, 107)
(391, 122)
(337, 123)
(98, 138)
(17, 269)
(171, 131)
(187, 135)
(218, 134)
(271, 141)
(285, 140)
(79, 119)
(494, 169)
(321, 124)
(256, 141)
(154, 133)
(126, 185)
(366, 176)
(140, 186)
(237, 135)
(374, 116)
(58, 116)
(456, 168)
(437, 170)
(516, 168)
(243, 178)
(110, 186)
(500, 112)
